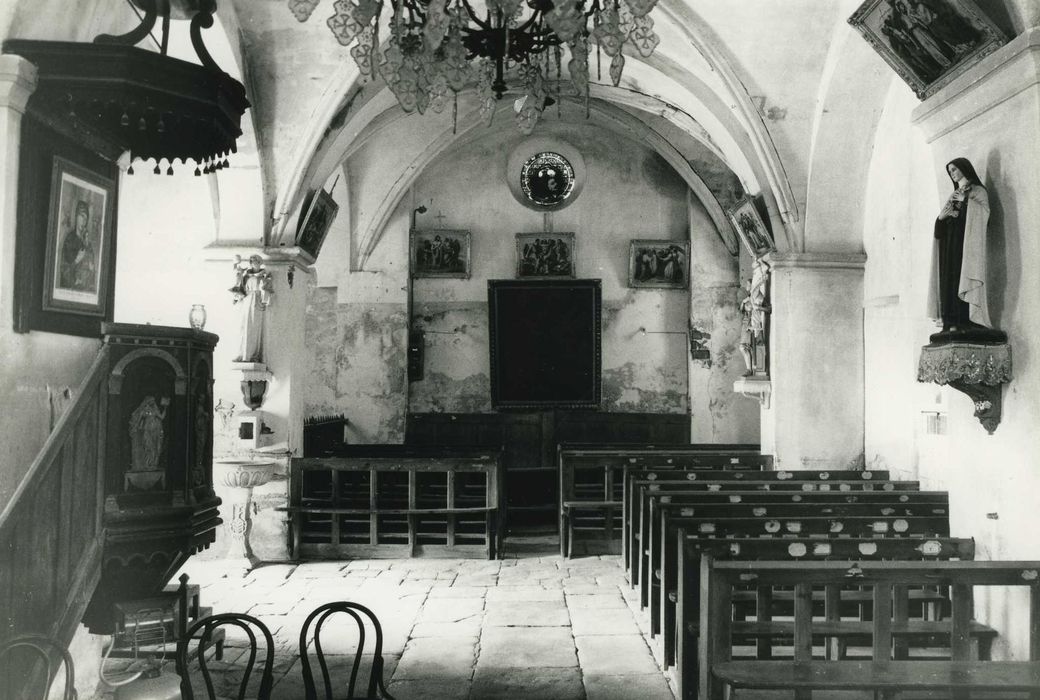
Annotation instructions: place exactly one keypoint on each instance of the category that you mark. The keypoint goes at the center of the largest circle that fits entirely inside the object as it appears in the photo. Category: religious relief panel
(146, 445)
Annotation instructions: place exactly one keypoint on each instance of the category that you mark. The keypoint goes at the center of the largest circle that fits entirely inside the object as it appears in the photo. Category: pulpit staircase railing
(52, 530)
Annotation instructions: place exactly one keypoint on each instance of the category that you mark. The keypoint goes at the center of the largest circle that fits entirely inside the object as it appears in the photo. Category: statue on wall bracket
(967, 354)
(252, 292)
(754, 345)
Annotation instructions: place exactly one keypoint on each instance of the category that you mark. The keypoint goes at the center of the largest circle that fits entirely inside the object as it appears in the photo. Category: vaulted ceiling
(782, 93)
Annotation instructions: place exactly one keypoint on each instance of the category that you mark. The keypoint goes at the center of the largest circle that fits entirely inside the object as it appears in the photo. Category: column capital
(1011, 69)
(779, 260)
(17, 82)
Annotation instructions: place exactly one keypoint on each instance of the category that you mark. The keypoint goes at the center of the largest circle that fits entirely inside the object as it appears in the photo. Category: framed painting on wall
(927, 42)
(544, 255)
(320, 214)
(78, 259)
(440, 253)
(662, 264)
(750, 228)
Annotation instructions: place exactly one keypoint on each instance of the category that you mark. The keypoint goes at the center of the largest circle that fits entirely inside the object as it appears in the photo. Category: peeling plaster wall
(629, 193)
(356, 333)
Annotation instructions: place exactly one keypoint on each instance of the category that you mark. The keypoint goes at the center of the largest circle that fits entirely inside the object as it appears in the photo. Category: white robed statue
(253, 289)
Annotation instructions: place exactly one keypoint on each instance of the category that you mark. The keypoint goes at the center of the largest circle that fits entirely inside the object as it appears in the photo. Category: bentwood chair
(375, 686)
(49, 651)
(203, 633)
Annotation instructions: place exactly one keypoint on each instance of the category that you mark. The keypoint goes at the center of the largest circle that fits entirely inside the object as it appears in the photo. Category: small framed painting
(750, 228)
(544, 255)
(662, 264)
(78, 258)
(927, 42)
(440, 253)
(320, 214)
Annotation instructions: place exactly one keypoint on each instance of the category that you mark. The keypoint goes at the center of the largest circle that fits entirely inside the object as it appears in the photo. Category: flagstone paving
(531, 627)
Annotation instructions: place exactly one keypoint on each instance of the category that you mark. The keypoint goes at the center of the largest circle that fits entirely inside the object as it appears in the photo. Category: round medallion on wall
(545, 174)
(547, 179)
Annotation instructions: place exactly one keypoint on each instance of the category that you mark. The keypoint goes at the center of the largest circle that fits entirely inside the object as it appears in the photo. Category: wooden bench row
(959, 676)
(396, 503)
(650, 480)
(592, 480)
(681, 530)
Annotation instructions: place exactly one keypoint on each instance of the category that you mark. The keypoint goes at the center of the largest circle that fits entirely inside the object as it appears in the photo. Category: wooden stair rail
(51, 530)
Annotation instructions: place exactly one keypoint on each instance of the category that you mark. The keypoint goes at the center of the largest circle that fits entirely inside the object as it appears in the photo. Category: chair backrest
(48, 650)
(318, 618)
(201, 635)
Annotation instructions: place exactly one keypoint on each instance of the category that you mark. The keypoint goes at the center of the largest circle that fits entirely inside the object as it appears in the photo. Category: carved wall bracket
(974, 369)
(755, 387)
(255, 377)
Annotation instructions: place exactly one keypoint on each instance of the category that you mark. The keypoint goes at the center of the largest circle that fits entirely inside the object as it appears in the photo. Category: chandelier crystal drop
(436, 48)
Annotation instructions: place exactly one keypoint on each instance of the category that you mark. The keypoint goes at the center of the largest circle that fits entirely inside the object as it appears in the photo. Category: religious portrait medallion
(547, 179)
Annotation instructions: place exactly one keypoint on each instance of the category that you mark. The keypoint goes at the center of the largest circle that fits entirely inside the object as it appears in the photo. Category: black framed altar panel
(545, 343)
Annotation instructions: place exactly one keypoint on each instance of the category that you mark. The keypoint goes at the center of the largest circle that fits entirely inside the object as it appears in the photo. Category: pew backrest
(719, 579)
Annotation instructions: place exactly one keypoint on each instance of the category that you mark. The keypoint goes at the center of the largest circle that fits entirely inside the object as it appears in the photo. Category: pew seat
(960, 674)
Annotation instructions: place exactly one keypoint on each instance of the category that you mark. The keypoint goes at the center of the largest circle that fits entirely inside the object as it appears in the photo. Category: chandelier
(436, 48)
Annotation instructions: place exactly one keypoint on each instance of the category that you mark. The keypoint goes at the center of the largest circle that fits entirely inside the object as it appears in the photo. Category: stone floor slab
(437, 658)
(529, 593)
(604, 601)
(616, 655)
(524, 613)
(466, 627)
(526, 647)
(451, 610)
(427, 690)
(457, 591)
(649, 685)
(613, 621)
(528, 683)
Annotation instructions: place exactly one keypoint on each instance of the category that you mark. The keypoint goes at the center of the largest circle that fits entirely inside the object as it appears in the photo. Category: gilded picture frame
(750, 228)
(662, 264)
(441, 253)
(927, 42)
(545, 255)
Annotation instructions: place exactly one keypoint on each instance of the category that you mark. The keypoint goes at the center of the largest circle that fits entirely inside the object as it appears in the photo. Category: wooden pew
(639, 535)
(637, 481)
(692, 547)
(396, 503)
(856, 520)
(592, 477)
(959, 676)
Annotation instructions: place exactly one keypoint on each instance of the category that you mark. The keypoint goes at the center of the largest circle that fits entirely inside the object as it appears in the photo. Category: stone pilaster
(815, 416)
(17, 83)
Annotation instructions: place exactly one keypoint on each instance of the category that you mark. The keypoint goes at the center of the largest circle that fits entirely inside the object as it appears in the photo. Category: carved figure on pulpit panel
(957, 292)
(753, 310)
(253, 290)
(146, 433)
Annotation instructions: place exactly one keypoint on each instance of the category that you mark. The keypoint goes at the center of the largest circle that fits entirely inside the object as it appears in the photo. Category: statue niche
(146, 418)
